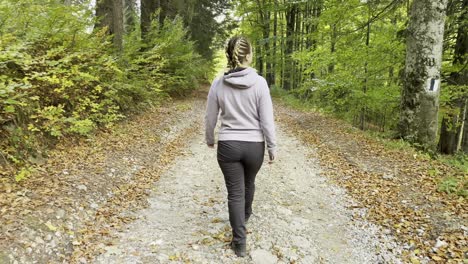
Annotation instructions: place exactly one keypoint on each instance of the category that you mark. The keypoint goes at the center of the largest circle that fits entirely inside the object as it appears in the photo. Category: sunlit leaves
(57, 78)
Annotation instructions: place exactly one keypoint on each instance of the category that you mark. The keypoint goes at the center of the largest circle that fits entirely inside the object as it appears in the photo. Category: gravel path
(299, 217)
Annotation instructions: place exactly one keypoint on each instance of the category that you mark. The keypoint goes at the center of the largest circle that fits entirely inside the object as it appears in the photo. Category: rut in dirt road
(298, 216)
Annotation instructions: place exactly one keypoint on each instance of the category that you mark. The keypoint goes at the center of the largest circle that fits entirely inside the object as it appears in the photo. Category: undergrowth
(60, 80)
(446, 183)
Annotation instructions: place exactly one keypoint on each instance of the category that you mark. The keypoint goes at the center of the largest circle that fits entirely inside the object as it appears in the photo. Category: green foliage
(452, 185)
(181, 64)
(459, 160)
(336, 65)
(363, 77)
(23, 174)
(59, 79)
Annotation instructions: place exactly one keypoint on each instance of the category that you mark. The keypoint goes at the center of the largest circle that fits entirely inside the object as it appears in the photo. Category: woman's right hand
(272, 157)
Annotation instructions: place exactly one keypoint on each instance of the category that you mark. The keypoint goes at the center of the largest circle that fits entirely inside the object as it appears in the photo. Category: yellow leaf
(415, 260)
(51, 226)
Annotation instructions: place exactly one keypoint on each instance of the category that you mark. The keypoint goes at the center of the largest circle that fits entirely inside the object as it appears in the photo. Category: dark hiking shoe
(239, 249)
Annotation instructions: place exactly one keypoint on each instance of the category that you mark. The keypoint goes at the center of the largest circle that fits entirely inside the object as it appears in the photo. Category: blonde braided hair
(237, 50)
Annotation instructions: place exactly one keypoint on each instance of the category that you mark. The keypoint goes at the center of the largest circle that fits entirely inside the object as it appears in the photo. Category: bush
(58, 79)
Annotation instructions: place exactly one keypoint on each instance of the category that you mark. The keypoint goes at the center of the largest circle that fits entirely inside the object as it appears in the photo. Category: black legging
(240, 161)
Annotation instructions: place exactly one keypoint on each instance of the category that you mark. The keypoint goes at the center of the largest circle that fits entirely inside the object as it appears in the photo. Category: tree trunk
(110, 16)
(451, 136)
(264, 22)
(461, 78)
(282, 51)
(464, 134)
(448, 135)
(298, 47)
(118, 23)
(164, 5)
(420, 98)
(333, 39)
(147, 8)
(275, 38)
(268, 55)
(462, 125)
(362, 122)
(130, 15)
(104, 15)
(290, 23)
(317, 13)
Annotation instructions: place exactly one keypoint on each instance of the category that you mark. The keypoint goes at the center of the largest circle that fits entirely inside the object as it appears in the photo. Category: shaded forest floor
(89, 190)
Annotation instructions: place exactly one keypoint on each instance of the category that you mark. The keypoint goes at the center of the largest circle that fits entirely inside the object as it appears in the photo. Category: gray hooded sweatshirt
(246, 109)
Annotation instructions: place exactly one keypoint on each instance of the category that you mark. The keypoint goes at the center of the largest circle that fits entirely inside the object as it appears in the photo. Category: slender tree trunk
(110, 15)
(274, 64)
(130, 15)
(300, 45)
(104, 15)
(163, 4)
(452, 130)
(118, 23)
(333, 38)
(448, 134)
(297, 46)
(259, 60)
(147, 8)
(283, 51)
(464, 134)
(362, 123)
(264, 19)
(461, 51)
(391, 69)
(290, 22)
(317, 12)
(462, 125)
(420, 98)
(268, 56)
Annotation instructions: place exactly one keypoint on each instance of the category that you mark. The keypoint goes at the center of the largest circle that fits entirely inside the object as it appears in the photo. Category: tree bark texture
(118, 23)
(110, 14)
(130, 15)
(452, 131)
(464, 142)
(289, 63)
(448, 135)
(461, 135)
(104, 14)
(274, 50)
(420, 97)
(148, 8)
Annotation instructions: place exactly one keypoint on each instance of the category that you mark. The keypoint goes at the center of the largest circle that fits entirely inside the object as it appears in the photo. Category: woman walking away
(246, 123)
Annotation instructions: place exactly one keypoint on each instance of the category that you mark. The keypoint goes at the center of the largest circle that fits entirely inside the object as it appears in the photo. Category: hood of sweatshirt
(241, 79)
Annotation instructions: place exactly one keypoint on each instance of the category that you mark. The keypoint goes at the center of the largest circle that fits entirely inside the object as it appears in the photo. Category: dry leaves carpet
(398, 188)
(82, 191)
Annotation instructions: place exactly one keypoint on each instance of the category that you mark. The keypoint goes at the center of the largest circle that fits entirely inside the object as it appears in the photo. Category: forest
(70, 67)
(99, 98)
(75, 66)
(349, 58)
